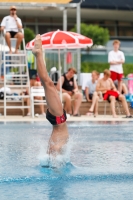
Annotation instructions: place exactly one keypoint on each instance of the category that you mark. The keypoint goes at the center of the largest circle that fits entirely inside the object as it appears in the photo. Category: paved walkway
(82, 118)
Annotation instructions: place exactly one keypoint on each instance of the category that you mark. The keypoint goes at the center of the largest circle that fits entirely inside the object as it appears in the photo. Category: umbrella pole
(59, 62)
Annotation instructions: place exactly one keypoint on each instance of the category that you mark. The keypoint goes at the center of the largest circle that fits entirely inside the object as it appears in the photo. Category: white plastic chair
(37, 92)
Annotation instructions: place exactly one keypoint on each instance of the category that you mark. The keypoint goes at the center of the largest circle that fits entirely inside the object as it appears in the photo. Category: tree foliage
(28, 35)
(99, 35)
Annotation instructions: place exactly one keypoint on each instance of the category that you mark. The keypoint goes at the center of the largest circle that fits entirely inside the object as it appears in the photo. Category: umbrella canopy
(62, 39)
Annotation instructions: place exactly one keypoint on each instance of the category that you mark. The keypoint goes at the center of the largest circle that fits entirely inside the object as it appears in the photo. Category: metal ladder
(16, 77)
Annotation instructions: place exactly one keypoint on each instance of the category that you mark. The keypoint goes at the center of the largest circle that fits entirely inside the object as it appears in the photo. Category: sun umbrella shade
(62, 39)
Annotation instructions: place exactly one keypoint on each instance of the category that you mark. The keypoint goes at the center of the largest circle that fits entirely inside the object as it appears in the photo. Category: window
(125, 31)
(32, 27)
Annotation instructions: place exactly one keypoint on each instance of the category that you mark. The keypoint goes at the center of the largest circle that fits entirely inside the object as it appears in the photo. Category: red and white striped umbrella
(62, 39)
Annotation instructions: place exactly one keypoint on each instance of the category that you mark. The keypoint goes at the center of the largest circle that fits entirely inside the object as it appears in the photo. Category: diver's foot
(37, 46)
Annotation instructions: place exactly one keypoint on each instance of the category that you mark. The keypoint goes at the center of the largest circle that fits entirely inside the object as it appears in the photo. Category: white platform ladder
(16, 77)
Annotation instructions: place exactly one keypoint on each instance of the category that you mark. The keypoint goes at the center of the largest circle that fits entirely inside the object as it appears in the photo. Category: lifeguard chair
(14, 68)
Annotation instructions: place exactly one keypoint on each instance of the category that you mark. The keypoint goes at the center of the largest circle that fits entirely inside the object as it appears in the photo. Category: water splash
(58, 161)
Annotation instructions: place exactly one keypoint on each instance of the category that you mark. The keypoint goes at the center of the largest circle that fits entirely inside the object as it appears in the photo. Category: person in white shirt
(12, 25)
(91, 94)
(116, 58)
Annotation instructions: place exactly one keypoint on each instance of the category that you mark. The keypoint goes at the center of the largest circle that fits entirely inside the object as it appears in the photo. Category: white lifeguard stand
(15, 76)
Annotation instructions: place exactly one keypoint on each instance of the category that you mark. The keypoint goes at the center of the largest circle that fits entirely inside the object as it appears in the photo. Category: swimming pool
(100, 167)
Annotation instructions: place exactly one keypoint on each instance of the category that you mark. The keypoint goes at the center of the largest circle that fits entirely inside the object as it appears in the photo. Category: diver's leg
(51, 95)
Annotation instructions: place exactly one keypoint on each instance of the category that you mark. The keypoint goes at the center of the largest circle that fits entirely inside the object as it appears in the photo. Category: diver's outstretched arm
(52, 97)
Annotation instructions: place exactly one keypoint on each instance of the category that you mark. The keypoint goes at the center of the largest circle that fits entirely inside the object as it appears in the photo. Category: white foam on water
(56, 161)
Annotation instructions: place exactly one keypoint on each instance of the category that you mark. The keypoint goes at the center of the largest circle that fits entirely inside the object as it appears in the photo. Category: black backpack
(1, 95)
(55, 77)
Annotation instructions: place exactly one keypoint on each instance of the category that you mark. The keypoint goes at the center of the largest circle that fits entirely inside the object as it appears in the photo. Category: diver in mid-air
(55, 113)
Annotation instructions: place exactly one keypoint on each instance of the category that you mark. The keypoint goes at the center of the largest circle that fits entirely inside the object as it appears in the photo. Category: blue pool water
(100, 164)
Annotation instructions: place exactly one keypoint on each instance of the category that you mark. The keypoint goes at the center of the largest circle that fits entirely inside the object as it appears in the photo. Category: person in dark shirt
(70, 92)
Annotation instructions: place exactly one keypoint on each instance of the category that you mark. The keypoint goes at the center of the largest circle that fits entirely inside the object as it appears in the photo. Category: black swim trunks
(12, 33)
(55, 120)
(90, 96)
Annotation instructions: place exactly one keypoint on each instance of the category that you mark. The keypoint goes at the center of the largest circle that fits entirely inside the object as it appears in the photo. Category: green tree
(28, 35)
(99, 35)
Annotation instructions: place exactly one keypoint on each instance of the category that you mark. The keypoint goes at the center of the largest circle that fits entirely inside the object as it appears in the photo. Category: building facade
(116, 15)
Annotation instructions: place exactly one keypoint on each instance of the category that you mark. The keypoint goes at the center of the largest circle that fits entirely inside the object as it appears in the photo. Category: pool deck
(81, 118)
